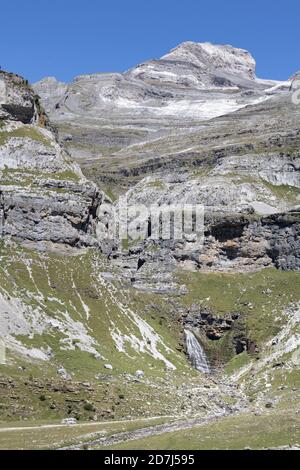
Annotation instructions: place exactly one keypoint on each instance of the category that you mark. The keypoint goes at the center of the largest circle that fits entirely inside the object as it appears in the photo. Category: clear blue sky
(66, 38)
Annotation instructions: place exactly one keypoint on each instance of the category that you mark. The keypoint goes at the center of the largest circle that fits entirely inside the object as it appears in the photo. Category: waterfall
(196, 353)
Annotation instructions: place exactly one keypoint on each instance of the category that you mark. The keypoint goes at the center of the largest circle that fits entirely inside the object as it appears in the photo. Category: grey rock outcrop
(18, 100)
(208, 63)
(52, 91)
(43, 194)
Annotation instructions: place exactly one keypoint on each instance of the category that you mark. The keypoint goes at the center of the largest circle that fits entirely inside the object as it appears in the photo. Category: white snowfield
(205, 110)
(201, 109)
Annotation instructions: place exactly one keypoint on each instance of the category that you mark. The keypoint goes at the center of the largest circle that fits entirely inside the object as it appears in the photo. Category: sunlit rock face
(208, 63)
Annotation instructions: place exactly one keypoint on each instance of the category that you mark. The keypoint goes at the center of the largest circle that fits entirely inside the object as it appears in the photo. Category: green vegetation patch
(289, 193)
(158, 184)
(28, 132)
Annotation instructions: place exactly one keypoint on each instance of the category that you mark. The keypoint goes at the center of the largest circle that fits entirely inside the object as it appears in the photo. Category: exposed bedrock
(100, 115)
(232, 243)
(59, 218)
(242, 243)
(44, 197)
(18, 101)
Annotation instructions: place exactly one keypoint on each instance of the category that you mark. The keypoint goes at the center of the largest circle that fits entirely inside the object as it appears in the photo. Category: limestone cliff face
(295, 79)
(43, 194)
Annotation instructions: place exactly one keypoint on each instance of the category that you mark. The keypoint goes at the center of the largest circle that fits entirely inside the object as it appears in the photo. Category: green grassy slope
(61, 309)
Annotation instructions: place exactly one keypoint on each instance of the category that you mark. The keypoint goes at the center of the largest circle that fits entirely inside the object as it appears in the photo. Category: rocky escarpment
(214, 327)
(243, 166)
(43, 194)
(295, 79)
(251, 216)
(18, 101)
(57, 308)
(240, 243)
(45, 214)
(231, 243)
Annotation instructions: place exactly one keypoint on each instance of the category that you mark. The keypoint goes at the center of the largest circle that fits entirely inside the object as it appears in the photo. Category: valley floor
(238, 432)
(54, 435)
(241, 431)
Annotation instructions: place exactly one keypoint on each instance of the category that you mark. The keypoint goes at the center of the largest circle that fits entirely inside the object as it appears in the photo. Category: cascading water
(196, 353)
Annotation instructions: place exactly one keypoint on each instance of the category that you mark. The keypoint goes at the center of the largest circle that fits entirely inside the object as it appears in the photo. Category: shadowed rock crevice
(20, 113)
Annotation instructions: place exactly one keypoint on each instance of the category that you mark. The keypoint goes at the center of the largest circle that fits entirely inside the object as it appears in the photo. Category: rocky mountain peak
(100, 113)
(210, 56)
(199, 65)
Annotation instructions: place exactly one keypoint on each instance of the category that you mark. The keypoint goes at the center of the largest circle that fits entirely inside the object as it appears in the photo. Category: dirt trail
(81, 425)
(146, 432)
